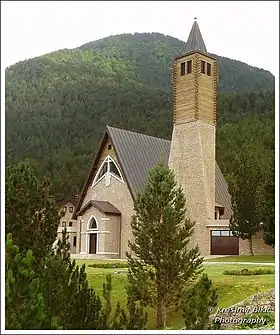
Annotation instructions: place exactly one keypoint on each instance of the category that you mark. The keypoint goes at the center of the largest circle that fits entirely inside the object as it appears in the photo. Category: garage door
(224, 243)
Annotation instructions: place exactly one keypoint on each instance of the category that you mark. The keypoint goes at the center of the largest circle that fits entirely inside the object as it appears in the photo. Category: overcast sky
(246, 31)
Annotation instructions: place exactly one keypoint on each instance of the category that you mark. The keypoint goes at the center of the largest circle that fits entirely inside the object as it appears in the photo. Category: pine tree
(69, 301)
(268, 206)
(160, 262)
(24, 304)
(199, 301)
(31, 215)
(245, 190)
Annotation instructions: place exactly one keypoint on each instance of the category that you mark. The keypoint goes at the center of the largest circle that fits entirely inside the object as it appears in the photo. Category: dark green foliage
(69, 301)
(247, 272)
(117, 265)
(267, 206)
(57, 105)
(31, 215)
(160, 264)
(199, 303)
(245, 186)
(24, 304)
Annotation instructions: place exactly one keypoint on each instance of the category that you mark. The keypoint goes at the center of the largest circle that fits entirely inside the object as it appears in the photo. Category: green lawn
(231, 289)
(254, 259)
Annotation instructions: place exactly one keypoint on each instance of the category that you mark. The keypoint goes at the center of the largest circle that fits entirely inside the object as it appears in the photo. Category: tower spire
(195, 41)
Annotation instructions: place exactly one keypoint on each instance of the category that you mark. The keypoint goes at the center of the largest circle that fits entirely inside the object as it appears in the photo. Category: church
(98, 221)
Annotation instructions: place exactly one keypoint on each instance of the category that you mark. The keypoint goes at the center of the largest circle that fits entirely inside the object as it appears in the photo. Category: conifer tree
(199, 301)
(24, 304)
(69, 301)
(160, 262)
(245, 190)
(31, 215)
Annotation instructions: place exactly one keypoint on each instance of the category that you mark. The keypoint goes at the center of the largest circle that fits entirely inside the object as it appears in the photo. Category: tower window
(109, 146)
(74, 241)
(203, 67)
(189, 66)
(70, 209)
(208, 69)
(183, 69)
(70, 224)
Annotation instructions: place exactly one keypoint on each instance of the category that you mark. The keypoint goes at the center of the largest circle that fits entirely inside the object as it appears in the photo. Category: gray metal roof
(139, 153)
(195, 41)
(103, 206)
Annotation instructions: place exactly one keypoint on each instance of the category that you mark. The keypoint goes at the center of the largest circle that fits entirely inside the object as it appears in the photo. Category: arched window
(110, 168)
(92, 223)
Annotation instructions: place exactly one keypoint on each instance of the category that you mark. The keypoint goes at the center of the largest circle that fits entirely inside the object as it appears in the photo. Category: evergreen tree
(160, 262)
(245, 190)
(24, 304)
(69, 301)
(198, 303)
(268, 206)
(31, 215)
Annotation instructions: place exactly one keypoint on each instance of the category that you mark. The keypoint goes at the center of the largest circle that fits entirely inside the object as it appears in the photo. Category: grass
(253, 259)
(231, 289)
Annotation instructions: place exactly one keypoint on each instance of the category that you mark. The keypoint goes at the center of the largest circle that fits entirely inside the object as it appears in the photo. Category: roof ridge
(134, 132)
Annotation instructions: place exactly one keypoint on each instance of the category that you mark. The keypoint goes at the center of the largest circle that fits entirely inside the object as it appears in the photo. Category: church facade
(100, 218)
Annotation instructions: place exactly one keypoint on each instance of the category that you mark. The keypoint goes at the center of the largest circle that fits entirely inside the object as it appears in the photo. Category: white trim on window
(107, 161)
(88, 224)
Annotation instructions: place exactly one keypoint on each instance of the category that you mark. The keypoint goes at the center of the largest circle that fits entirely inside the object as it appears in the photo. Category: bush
(116, 265)
(247, 272)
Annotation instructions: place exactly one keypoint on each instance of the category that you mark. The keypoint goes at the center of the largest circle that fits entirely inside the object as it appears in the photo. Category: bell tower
(192, 153)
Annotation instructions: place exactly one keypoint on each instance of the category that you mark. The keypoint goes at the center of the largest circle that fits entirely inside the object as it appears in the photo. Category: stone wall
(259, 246)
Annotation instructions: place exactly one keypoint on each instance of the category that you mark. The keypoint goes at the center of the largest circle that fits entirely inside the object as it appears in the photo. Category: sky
(247, 31)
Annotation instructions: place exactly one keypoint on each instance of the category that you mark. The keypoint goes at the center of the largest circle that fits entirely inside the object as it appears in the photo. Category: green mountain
(57, 105)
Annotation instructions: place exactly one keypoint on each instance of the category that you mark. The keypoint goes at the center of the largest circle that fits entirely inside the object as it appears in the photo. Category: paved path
(239, 263)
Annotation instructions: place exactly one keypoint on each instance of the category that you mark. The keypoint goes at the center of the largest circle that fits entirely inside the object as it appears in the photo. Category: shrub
(247, 272)
(116, 265)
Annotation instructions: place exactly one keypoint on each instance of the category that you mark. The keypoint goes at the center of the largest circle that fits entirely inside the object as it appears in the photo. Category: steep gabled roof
(137, 154)
(195, 41)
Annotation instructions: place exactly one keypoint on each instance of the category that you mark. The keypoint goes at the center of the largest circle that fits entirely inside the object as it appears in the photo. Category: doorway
(92, 243)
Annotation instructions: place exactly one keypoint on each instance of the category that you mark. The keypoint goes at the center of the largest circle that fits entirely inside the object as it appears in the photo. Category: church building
(100, 218)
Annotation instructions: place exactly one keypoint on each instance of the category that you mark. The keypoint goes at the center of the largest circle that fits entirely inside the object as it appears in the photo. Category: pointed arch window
(92, 223)
(108, 168)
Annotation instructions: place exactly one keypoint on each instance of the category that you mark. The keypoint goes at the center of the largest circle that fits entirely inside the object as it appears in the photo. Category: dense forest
(58, 104)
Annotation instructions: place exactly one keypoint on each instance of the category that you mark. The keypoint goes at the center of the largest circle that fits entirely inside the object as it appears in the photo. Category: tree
(31, 215)
(69, 301)
(245, 190)
(160, 262)
(268, 206)
(24, 304)
(199, 302)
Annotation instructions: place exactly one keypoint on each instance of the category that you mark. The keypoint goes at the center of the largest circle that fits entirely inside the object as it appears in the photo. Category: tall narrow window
(208, 69)
(92, 224)
(74, 241)
(183, 69)
(203, 67)
(70, 209)
(189, 66)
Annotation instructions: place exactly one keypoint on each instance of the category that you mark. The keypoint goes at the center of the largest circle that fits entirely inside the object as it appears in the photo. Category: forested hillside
(57, 105)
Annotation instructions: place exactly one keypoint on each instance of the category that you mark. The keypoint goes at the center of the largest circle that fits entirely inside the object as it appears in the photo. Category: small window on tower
(109, 146)
(203, 67)
(183, 69)
(189, 66)
(208, 69)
